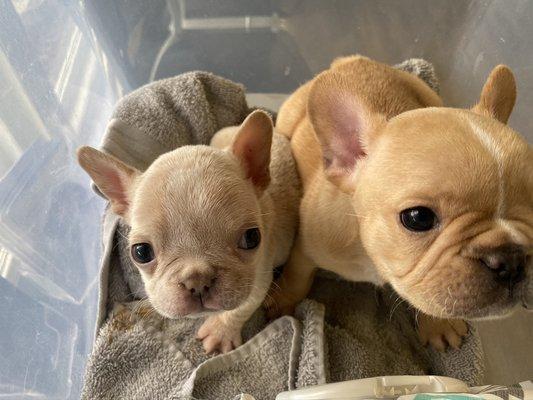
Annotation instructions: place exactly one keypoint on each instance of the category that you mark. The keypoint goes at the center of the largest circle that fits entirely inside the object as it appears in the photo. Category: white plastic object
(383, 387)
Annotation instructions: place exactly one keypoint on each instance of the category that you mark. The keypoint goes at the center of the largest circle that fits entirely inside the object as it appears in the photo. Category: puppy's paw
(219, 336)
(441, 333)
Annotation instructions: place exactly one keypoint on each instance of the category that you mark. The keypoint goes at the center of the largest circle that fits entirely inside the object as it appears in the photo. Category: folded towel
(343, 331)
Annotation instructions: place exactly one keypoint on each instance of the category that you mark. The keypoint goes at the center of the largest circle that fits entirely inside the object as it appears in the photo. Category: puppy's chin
(500, 309)
(497, 310)
(177, 308)
(194, 309)
(469, 310)
(496, 314)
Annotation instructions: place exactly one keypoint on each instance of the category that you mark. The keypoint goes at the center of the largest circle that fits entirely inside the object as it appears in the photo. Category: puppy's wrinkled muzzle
(197, 292)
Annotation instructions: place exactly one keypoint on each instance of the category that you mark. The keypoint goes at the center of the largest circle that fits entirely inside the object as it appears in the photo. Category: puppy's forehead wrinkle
(214, 200)
(194, 200)
(481, 163)
(210, 186)
(409, 163)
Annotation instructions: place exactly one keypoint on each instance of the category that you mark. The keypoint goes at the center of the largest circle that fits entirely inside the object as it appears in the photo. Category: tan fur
(498, 95)
(474, 171)
(193, 205)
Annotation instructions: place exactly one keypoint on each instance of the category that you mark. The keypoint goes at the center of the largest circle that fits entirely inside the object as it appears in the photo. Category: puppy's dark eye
(418, 219)
(250, 239)
(142, 253)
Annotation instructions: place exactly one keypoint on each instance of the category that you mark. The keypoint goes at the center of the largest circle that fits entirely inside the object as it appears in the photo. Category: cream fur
(193, 205)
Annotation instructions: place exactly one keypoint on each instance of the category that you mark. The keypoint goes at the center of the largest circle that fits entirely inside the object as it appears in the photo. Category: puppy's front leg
(222, 332)
(293, 285)
(441, 333)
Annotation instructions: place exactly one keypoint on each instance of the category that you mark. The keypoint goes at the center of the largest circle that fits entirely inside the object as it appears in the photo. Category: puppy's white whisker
(395, 306)
(453, 307)
(445, 305)
(432, 300)
(121, 234)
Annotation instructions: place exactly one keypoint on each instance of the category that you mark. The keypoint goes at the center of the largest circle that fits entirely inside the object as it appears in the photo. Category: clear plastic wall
(64, 63)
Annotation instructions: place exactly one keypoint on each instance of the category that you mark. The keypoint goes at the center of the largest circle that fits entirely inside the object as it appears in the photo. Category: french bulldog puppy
(437, 202)
(208, 225)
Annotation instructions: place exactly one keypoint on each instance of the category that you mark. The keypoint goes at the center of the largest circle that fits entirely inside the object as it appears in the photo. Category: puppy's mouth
(175, 302)
(200, 305)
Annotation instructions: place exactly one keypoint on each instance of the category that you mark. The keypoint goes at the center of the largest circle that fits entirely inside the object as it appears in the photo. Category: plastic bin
(63, 64)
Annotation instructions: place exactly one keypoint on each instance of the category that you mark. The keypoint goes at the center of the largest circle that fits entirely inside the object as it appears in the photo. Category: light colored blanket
(343, 331)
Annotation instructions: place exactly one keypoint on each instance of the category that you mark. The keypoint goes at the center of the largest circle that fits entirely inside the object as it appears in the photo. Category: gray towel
(343, 331)
(161, 116)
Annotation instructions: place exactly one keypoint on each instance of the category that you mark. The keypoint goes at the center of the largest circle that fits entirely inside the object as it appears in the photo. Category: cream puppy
(437, 202)
(208, 225)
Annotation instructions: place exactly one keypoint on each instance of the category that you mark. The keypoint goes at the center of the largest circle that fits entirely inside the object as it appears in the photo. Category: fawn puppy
(397, 189)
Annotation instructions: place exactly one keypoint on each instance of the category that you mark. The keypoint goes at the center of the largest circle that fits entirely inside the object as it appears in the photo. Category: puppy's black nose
(507, 264)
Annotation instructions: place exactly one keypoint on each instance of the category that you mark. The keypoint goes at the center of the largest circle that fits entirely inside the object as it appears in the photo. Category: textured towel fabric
(343, 331)
(161, 116)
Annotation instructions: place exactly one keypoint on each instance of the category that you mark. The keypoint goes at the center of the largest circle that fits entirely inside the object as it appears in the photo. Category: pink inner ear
(346, 122)
(256, 169)
(347, 150)
(115, 189)
(252, 147)
(254, 160)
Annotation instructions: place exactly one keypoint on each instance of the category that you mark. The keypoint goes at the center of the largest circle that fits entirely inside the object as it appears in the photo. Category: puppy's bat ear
(343, 125)
(252, 147)
(114, 178)
(498, 95)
